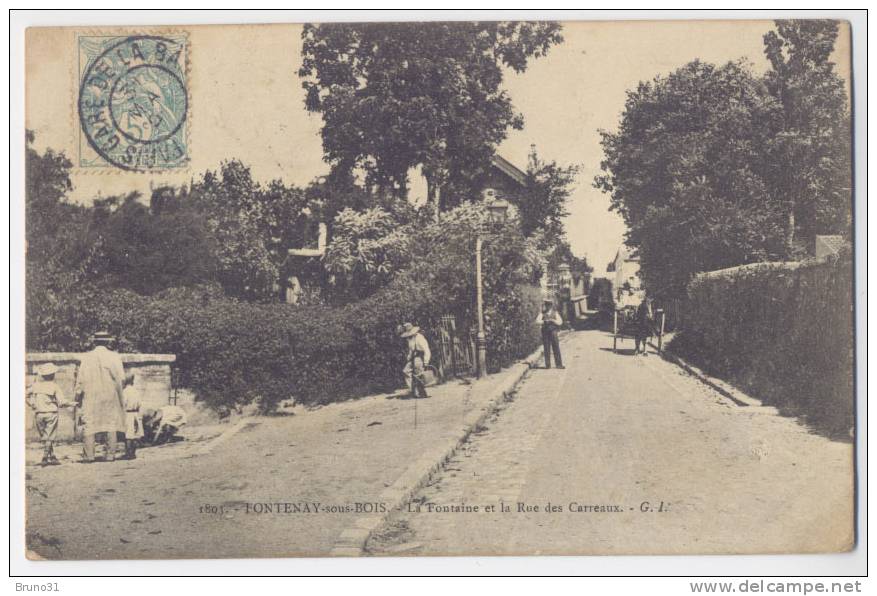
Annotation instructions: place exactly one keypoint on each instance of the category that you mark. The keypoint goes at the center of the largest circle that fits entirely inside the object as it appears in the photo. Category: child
(161, 425)
(45, 397)
(133, 422)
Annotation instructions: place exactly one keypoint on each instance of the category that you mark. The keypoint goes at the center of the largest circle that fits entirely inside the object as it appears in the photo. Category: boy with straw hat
(45, 397)
(417, 358)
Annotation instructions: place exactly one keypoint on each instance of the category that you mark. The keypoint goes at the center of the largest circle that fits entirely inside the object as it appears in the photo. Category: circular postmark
(133, 103)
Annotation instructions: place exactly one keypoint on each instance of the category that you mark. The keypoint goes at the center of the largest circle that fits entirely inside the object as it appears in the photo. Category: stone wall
(152, 378)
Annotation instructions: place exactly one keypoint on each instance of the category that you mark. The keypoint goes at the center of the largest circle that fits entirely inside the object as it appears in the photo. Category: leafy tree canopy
(712, 166)
(367, 250)
(394, 96)
(151, 247)
(371, 249)
(47, 182)
(252, 225)
(688, 170)
(542, 205)
(813, 151)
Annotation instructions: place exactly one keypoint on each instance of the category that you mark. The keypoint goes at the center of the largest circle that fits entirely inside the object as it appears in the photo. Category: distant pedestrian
(99, 392)
(45, 397)
(551, 321)
(417, 358)
(642, 320)
(133, 420)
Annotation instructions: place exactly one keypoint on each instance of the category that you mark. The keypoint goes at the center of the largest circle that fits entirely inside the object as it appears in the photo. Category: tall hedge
(232, 352)
(781, 331)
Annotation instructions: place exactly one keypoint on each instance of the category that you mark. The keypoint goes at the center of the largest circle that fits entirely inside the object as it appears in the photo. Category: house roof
(509, 169)
(625, 254)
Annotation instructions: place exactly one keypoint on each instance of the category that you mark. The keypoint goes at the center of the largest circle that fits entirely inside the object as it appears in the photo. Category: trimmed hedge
(233, 352)
(781, 331)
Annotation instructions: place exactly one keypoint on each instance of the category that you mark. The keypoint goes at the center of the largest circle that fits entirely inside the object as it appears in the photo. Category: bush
(782, 331)
(510, 325)
(233, 352)
(230, 351)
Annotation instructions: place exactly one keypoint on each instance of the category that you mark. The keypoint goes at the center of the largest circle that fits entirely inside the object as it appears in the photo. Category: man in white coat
(99, 394)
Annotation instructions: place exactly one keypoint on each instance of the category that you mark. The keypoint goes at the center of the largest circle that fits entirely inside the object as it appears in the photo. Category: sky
(246, 102)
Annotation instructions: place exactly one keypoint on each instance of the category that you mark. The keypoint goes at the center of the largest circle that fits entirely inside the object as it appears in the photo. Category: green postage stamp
(133, 102)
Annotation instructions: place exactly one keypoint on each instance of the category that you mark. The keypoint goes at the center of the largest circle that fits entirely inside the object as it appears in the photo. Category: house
(504, 179)
(626, 284)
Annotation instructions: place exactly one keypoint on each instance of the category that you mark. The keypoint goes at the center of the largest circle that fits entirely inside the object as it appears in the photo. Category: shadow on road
(621, 351)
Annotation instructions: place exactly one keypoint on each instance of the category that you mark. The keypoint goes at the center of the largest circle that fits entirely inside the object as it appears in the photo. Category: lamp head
(497, 211)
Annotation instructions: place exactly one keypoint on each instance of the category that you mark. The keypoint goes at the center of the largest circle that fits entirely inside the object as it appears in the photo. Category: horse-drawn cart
(626, 326)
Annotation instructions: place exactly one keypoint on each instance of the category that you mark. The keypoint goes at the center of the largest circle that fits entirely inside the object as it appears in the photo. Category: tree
(689, 170)
(230, 203)
(542, 205)
(394, 96)
(812, 153)
(562, 254)
(47, 182)
(374, 249)
(58, 262)
(152, 247)
(367, 250)
(252, 226)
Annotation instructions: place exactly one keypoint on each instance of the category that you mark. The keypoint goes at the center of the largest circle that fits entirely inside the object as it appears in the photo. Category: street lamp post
(481, 337)
(496, 212)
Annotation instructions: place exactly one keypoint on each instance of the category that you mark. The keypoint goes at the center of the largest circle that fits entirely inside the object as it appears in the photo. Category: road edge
(352, 541)
(723, 388)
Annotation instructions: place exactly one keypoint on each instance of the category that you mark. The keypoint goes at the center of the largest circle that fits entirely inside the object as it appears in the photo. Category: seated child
(45, 397)
(161, 425)
(133, 421)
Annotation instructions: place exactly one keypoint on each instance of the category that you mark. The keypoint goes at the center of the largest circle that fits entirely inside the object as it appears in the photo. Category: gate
(456, 351)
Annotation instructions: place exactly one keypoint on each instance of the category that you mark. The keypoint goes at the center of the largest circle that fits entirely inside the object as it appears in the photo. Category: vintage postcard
(439, 288)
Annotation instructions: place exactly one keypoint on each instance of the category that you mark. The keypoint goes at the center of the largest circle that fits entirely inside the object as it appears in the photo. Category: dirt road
(628, 454)
(620, 454)
(280, 486)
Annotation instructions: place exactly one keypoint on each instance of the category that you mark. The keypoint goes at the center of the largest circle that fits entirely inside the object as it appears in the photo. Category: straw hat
(408, 330)
(102, 337)
(47, 369)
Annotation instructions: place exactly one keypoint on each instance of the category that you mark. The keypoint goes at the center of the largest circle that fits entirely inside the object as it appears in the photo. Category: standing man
(551, 321)
(642, 326)
(99, 392)
(417, 357)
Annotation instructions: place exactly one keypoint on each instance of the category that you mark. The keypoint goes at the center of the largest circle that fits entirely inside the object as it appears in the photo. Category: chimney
(532, 160)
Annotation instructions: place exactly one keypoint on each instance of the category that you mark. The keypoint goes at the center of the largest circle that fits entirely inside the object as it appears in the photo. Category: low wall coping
(762, 266)
(77, 356)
